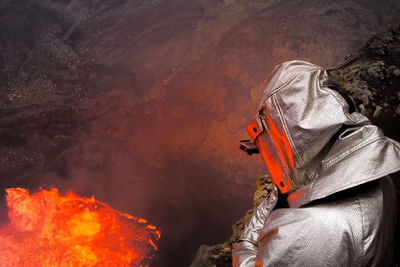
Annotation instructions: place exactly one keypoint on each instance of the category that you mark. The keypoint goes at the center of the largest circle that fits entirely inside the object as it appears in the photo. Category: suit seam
(339, 156)
(276, 89)
(362, 247)
(309, 175)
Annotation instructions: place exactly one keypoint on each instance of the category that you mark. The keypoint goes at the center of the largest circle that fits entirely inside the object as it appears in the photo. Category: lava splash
(47, 229)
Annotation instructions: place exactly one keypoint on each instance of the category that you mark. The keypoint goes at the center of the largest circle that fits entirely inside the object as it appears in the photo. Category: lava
(47, 229)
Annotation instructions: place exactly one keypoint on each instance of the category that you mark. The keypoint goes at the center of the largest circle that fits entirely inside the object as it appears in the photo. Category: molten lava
(47, 229)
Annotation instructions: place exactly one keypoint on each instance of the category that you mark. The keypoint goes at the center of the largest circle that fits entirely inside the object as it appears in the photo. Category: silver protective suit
(334, 166)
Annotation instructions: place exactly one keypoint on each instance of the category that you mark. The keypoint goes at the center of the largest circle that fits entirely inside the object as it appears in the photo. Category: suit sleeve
(301, 237)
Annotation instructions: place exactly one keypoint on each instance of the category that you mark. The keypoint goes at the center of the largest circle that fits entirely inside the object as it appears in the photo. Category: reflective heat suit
(333, 165)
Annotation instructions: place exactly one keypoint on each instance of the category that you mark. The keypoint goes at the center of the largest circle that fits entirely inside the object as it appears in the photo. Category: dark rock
(371, 78)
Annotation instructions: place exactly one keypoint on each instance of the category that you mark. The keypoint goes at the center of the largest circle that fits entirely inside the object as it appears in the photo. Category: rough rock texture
(142, 102)
(371, 78)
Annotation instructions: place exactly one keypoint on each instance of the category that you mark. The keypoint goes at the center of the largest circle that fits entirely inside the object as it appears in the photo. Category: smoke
(191, 203)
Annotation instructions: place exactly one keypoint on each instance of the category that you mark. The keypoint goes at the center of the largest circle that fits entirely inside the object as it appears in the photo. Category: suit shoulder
(312, 236)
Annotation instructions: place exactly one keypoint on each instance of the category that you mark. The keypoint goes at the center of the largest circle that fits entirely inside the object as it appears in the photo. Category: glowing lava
(47, 229)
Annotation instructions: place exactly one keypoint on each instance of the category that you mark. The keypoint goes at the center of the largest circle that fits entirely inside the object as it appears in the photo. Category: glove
(257, 220)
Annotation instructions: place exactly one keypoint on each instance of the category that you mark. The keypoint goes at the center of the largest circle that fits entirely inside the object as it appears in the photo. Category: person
(333, 167)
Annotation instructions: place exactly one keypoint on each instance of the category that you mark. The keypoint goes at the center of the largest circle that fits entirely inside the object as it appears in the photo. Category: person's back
(353, 228)
(332, 165)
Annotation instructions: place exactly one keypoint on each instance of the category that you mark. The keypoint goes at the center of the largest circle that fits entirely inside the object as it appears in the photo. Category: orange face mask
(275, 150)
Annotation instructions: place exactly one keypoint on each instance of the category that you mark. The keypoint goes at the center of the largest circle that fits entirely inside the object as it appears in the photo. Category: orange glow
(273, 168)
(47, 229)
(281, 141)
(295, 196)
(282, 147)
(284, 150)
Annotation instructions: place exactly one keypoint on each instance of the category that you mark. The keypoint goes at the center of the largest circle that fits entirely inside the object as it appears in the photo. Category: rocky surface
(142, 103)
(372, 78)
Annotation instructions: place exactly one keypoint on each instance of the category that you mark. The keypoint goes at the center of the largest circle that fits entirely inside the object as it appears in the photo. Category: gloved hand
(257, 220)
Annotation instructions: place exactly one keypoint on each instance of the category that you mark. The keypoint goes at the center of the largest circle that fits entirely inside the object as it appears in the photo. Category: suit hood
(307, 137)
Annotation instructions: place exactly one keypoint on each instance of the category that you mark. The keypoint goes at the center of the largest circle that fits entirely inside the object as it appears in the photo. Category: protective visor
(271, 142)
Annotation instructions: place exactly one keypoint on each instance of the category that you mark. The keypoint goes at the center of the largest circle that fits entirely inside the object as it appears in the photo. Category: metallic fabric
(260, 214)
(331, 163)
